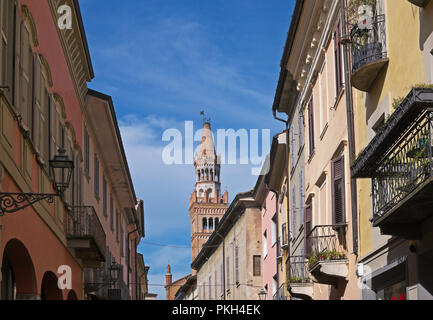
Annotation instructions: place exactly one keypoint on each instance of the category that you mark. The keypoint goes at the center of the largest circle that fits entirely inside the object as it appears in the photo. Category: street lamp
(262, 294)
(61, 168)
(114, 272)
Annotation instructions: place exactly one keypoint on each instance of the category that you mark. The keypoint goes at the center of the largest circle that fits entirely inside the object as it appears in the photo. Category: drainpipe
(129, 256)
(286, 122)
(224, 263)
(350, 130)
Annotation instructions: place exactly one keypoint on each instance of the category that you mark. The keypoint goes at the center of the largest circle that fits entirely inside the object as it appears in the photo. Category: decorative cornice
(75, 48)
(29, 18)
(47, 69)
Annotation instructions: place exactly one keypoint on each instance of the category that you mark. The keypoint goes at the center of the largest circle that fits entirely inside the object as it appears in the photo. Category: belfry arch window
(211, 224)
(216, 222)
(204, 224)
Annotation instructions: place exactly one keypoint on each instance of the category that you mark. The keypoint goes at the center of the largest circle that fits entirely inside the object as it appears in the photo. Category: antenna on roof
(205, 120)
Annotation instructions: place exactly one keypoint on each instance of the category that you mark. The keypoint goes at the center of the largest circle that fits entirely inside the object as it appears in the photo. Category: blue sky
(163, 61)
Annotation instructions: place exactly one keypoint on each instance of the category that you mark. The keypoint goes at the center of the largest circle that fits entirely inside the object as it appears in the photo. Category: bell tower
(207, 205)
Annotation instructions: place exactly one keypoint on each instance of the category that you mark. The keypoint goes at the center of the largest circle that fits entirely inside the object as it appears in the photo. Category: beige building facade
(312, 93)
(229, 265)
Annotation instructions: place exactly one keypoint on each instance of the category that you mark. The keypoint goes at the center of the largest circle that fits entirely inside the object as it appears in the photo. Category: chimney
(226, 197)
(168, 276)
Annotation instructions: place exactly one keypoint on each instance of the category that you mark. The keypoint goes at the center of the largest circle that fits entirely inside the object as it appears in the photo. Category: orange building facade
(45, 106)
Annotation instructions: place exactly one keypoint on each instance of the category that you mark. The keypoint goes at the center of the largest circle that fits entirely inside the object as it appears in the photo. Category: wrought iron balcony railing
(298, 270)
(399, 160)
(326, 243)
(83, 224)
(368, 45)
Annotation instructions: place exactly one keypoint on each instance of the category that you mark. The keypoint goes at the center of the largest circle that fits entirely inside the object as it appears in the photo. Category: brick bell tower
(206, 205)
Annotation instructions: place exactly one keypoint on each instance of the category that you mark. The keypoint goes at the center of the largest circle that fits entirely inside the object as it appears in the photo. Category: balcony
(369, 52)
(326, 252)
(399, 160)
(86, 236)
(299, 283)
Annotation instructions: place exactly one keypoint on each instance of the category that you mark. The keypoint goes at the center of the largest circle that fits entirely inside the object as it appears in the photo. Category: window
(210, 223)
(228, 270)
(237, 264)
(301, 196)
(257, 271)
(111, 212)
(274, 230)
(117, 225)
(216, 222)
(104, 196)
(96, 175)
(86, 151)
(311, 126)
(274, 285)
(337, 58)
(338, 198)
(265, 243)
(122, 251)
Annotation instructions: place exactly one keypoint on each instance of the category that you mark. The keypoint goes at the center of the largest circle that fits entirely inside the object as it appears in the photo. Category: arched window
(210, 224)
(204, 224)
(216, 222)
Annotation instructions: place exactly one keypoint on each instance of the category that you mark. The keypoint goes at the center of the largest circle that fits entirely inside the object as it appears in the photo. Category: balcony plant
(325, 255)
(298, 280)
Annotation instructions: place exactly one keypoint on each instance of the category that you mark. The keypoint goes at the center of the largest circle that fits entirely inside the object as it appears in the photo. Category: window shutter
(17, 65)
(301, 129)
(222, 278)
(301, 196)
(308, 227)
(25, 92)
(111, 212)
(338, 191)
(311, 126)
(36, 102)
(337, 55)
(293, 212)
(237, 263)
(6, 45)
(228, 270)
(292, 147)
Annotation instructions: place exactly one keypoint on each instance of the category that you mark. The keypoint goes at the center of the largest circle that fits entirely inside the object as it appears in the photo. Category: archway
(19, 279)
(49, 288)
(72, 295)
